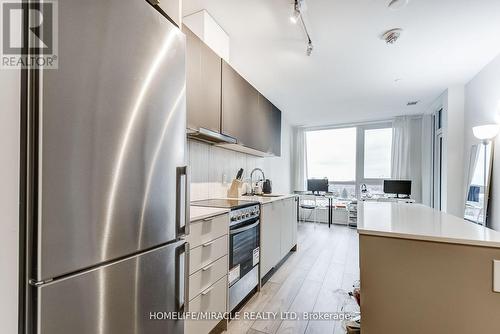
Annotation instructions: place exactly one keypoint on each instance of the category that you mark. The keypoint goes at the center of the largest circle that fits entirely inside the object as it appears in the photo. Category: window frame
(360, 155)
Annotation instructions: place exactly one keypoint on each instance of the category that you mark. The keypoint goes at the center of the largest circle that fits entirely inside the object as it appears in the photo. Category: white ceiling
(351, 74)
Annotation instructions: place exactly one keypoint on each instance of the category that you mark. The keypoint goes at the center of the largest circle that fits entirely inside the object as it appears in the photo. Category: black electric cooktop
(224, 203)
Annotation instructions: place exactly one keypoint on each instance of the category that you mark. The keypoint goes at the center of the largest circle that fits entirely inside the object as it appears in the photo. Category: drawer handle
(206, 244)
(207, 291)
(207, 267)
(207, 219)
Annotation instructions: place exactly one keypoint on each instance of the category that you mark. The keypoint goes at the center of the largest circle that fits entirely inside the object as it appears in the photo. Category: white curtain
(407, 152)
(299, 159)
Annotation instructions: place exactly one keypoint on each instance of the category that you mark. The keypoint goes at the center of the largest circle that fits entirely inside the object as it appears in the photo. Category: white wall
(454, 178)
(482, 106)
(213, 168)
(9, 196)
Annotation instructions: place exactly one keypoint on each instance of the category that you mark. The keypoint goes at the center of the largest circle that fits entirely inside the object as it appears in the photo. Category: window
(351, 157)
(332, 154)
(343, 190)
(378, 147)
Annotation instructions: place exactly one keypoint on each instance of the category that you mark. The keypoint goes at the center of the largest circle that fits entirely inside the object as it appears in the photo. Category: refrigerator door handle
(182, 283)
(182, 218)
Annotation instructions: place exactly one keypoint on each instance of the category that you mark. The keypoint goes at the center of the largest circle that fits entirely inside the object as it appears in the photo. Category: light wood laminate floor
(313, 279)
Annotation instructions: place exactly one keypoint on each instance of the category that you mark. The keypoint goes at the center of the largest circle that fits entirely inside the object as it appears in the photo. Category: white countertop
(202, 212)
(265, 199)
(419, 222)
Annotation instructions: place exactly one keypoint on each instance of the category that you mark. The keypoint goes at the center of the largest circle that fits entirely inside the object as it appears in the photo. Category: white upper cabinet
(209, 31)
(173, 8)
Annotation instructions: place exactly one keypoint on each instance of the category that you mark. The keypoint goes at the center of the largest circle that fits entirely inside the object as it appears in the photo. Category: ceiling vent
(391, 36)
(412, 103)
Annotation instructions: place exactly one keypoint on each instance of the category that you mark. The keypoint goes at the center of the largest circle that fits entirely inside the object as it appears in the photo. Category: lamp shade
(486, 132)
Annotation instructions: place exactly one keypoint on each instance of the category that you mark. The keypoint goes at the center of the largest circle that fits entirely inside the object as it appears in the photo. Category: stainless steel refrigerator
(107, 186)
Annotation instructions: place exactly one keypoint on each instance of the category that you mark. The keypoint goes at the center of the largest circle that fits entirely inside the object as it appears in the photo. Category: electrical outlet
(496, 275)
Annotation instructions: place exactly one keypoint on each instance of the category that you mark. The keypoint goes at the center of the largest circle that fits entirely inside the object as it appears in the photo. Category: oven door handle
(244, 228)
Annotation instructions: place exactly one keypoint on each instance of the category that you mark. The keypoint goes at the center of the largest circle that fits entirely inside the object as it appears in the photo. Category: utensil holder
(236, 189)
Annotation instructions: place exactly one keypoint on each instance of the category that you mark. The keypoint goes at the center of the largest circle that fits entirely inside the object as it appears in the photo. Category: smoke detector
(397, 4)
(391, 36)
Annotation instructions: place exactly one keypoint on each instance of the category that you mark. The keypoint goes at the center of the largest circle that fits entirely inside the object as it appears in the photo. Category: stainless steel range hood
(210, 136)
(244, 149)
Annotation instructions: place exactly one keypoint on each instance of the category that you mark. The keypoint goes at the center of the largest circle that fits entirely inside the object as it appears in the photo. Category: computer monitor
(317, 185)
(397, 187)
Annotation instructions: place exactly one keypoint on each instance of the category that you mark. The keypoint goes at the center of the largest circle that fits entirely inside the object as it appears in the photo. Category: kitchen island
(424, 271)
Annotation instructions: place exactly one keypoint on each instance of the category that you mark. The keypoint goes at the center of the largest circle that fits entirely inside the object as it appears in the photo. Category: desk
(330, 206)
(387, 199)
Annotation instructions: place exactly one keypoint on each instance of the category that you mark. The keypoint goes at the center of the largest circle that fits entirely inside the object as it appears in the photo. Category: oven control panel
(241, 215)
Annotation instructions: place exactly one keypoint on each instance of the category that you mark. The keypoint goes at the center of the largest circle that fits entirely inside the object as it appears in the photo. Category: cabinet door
(203, 84)
(240, 116)
(288, 226)
(292, 209)
(285, 230)
(172, 8)
(271, 126)
(270, 238)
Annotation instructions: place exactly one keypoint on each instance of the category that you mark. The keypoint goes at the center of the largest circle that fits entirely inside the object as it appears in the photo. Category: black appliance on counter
(244, 246)
(267, 187)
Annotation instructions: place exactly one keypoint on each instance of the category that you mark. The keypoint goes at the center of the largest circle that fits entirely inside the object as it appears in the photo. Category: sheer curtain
(299, 159)
(406, 160)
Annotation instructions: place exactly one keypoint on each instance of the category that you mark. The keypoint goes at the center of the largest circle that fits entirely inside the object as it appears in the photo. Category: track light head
(310, 48)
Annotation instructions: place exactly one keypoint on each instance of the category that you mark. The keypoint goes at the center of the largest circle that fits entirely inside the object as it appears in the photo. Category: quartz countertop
(201, 212)
(419, 222)
(266, 199)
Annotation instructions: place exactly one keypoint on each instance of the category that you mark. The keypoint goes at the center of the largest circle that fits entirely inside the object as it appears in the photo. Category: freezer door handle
(182, 217)
(182, 278)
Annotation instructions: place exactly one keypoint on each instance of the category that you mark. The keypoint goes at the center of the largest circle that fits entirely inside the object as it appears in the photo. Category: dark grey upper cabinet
(203, 84)
(240, 102)
(247, 115)
(272, 128)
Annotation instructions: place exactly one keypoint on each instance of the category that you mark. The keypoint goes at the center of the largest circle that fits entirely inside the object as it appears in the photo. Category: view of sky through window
(332, 153)
(378, 147)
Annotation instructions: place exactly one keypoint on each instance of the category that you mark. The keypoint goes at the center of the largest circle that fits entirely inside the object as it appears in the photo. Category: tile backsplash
(213, 168)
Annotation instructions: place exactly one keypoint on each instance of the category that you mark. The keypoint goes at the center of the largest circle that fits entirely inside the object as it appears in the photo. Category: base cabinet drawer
(212, 299)
(207, 276)
(202, 231)
(207, 253)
